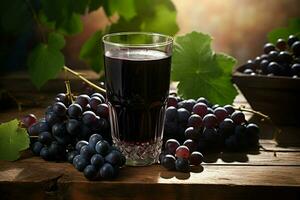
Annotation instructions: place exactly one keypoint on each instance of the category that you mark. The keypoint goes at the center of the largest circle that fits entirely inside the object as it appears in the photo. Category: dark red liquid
(137, 83)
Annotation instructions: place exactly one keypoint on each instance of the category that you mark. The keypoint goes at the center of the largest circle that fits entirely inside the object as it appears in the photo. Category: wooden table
(270, 173)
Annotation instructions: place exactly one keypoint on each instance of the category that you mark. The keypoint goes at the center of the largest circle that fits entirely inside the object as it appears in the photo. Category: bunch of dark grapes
(64, 131)
(281, 59)
(205, 127)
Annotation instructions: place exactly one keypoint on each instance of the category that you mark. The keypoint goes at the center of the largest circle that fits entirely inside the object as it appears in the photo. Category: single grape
(45, 137)
(268, 47)
(273, 56)
(82, 100)
(291, 40)
(296, 69)
(281, 44)
(192, 133)
(52, 118)
(210, 111)
(238, 117)
(257, 61)
(59, 109)
(275, 68)
(100, 96)
(264, 66)
(226, 127)
(252, 134)
(89, 118)
(231, 143)
(102, 147)
(196, 158)
(28, 120)
(296, 48)
(200, 109)
(220, 113)
(183, 115)
(240, 133)
(107, 171)
(187, 104)
(86, 152)
(168, 162)
(94, 102)
(182, 152)
(102, 110)
(171, 145)
(191, 144)
(33, 130)
(36, 149)
(202, 100)
(172, 101)
(93, 141)
(97, 160)
(74, 111)
(248, 71)
(114, 158)
(90, 172)
(71, 155)
(263, 56)
(73, 127)
(229, 109)
(45, 154)
(285, 57)
(59, 130)
(62, 97)
(195, 121)
(211, 135)
(250, 65)
(80, 144)
(171, 114)
(80, 162)
(182, 165)
(210, 120)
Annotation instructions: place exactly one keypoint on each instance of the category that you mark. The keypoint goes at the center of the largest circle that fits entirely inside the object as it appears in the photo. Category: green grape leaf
(45, 61)
(13, 139)
(71, 25)
(200, 71)
(284, 32)
(125, 8)
(92, 52)
(56, 40)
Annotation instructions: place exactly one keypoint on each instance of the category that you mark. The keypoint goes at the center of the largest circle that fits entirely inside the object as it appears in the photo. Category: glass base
(140, 154)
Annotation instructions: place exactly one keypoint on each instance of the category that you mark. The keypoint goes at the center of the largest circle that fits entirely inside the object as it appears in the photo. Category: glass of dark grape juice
(137, 72)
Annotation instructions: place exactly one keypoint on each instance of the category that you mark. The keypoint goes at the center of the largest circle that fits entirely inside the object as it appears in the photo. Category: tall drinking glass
(137, 71)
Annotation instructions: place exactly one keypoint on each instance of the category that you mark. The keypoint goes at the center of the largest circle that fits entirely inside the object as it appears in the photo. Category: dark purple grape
(200, 109)
(162, 155)
(268, 47)
(89, 118)
(168, 162)
(45, 138)
(196, 158)
(172, 101)
(59, 109)
(250, 65)
(90, 172)
(248, 71)
(59, 130)
(86, 152)
(102, 110)
(28, 120)
(74, 111)
(171, 114)
(52, 118)
(202, 100)
(71, 155)
(210, 120)
(33, 130)
(36, 148)
(171, 145)
(229, 109)
(114, 158)
(182, 152)
(264, 56)
(191, 144)
(195, 121)
(285, 57)
(273, 56)
(231, 143)
(281, 44)
(85, 132)
(264, 66)
(240, 132)
(220, 113)
(252, 134)
(274, 68)
(73, 127)
(96, 94)
(102, 147)
(97, 160)
(182, 165)
(62, 97)
(210, 134)
(296, 48)
(226, 127)
(215, 106)
(80, 162)
(45, 154)
(187, 104)
(291, 40)
(83, 100)
(183, 115)
(94, 102)
(192, 133)
(80, 144)
(57, 150)
(296, 69)
(238, 117)
(93, 140)
(257, 61)
(210, 111)
(107, 171)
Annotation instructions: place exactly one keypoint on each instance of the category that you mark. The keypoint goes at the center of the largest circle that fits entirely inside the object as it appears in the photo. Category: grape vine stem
(253, 111)
(84, 79)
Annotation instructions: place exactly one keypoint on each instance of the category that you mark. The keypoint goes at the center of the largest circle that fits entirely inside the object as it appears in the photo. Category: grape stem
(253, 111)
(84, 79)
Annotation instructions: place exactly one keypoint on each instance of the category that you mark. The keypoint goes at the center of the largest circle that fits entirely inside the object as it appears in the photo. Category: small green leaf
(71, 25)
(92, 52)
(56, 40)
(44, 64)
(284, 32)
(200, 71)
(13, 139)
(125, 8)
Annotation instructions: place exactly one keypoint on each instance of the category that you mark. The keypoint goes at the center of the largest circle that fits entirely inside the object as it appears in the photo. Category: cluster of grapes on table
(78, 132)
(196, 126)
(281, 59)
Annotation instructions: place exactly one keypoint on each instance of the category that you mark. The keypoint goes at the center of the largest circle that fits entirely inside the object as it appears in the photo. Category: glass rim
(169, 39)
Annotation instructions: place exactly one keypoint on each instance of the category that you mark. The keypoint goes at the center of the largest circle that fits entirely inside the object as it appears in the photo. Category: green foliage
(284, 32)
(13, 139)
(46, 60)
(200, 71)
(125, 8)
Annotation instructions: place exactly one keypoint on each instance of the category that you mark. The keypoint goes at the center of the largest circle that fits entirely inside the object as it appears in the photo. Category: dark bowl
(276, 96)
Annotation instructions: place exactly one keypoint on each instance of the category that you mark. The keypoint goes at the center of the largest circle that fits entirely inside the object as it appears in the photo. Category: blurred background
(239, 28)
